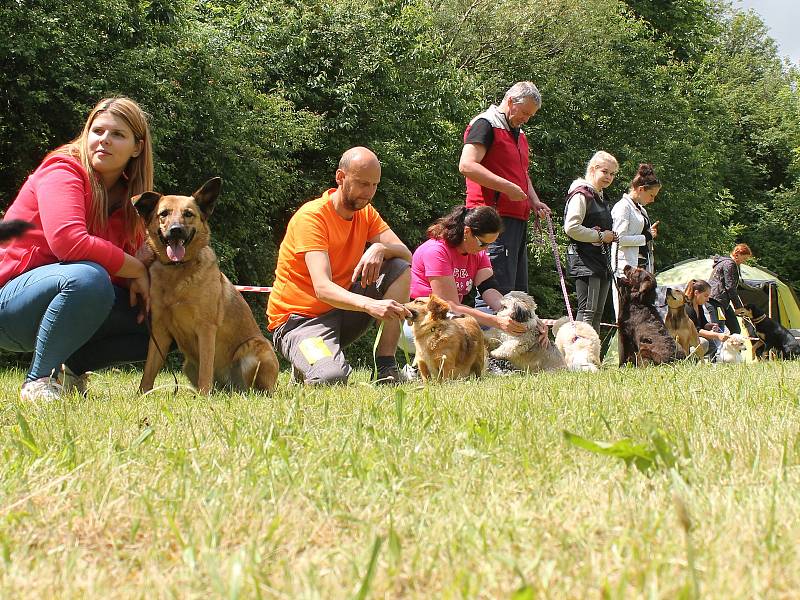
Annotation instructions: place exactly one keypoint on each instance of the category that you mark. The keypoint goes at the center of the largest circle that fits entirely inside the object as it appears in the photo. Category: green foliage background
(268, 94)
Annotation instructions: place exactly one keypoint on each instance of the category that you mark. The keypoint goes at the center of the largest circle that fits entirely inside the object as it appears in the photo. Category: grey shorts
(314, 344)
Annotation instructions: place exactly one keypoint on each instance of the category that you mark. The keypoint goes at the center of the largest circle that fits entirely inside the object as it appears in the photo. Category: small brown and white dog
(733, 350)
(680, 326)
(523, 351)
(446, 348)
(579, 343)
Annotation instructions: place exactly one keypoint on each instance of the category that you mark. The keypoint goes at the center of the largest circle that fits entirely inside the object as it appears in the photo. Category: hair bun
(645, 170)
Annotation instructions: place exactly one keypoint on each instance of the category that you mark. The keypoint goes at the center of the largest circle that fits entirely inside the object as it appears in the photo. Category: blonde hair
(138, 172)
(599, 157)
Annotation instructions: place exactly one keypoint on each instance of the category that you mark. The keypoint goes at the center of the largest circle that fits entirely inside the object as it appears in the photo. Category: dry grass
(459, 490)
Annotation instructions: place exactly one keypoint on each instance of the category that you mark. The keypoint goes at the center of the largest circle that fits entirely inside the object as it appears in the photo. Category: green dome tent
(764, 289)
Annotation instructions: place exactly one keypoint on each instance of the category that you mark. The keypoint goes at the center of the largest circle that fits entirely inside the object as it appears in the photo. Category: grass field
(459, 490)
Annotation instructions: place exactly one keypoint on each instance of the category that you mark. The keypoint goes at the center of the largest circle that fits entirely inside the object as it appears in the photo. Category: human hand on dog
(544, 340)
(369, 267)
(509, 325)
(140, 294)
(387, 310)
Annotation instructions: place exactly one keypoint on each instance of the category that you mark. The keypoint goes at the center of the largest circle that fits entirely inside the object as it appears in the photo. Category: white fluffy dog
(578, 343)
(732, 350)
(524, 351)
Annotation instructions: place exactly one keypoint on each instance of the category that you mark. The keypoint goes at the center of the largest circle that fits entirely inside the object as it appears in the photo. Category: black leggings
(592, 293)
(731, 322)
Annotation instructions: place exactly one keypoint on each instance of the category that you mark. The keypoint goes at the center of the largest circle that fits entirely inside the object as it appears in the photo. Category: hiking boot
(74, 383)
(44, 389)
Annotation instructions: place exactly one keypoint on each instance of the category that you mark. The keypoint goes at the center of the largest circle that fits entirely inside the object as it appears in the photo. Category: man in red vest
(495, 162)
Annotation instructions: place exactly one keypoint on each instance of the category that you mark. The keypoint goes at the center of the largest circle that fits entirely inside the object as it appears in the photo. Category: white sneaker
(409, 373)
(45, 389)
(70, 382)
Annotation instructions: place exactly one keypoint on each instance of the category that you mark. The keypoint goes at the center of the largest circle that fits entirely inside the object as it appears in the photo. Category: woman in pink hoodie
(69, 286)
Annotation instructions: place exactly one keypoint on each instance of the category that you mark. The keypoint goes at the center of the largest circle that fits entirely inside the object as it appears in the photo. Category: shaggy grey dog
(524, 351)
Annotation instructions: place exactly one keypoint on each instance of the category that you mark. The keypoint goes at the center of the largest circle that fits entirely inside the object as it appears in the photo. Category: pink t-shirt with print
(435, 258)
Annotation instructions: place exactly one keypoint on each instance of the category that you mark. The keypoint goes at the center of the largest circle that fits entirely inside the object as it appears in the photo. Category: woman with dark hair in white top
(632, 225)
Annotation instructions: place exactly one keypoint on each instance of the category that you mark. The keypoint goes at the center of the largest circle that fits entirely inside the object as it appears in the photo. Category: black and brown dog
(193, 303)
(775, 337)
(643, 337)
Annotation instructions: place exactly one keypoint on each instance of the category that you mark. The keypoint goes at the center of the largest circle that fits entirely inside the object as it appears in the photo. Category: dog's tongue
(175, 251)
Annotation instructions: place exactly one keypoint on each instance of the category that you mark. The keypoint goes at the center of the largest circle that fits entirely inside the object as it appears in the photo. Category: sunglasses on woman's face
(480, 242)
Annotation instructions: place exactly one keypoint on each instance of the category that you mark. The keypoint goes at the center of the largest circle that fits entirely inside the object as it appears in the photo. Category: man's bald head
(358, 157)
(358, 176)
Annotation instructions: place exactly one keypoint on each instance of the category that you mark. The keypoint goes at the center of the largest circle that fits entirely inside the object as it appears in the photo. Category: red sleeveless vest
(507, 158)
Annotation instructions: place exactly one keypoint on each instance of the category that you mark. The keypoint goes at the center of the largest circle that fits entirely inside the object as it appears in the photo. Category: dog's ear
(146, 203)
(437, 307)
(207, 195)
(520, 313)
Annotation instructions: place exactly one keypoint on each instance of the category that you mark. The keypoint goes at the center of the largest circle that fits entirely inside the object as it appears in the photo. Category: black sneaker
(387, 375)
(499, 366)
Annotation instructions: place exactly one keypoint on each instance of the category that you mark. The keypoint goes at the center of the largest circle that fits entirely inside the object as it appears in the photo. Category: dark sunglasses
(481, 243)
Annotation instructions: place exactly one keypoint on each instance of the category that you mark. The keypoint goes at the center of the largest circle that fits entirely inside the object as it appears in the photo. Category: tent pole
(770, 301)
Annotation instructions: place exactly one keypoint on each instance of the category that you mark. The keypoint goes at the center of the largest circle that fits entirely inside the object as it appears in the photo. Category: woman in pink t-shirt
(453, 261)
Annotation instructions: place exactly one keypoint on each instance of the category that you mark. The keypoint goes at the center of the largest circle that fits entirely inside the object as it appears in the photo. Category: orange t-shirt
(317, 226)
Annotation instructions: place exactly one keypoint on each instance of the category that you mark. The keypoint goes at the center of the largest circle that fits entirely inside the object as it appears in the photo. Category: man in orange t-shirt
(328, 289)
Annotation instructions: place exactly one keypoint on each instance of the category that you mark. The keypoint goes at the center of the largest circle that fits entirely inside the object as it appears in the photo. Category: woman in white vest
(634, 230)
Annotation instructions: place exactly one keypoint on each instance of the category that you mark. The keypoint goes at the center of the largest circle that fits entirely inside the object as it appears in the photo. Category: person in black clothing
(711, 337)
(725, 280)
(589, 225)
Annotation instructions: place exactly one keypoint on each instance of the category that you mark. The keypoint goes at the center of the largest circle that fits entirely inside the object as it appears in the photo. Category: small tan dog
(578, 343)
(445, 348)
(193, 303)
(680, 326)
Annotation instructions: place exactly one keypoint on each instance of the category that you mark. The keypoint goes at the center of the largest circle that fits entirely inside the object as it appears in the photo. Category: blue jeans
(70, 313)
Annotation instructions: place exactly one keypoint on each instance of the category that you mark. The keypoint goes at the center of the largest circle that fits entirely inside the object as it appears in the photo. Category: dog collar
(173, 264)
(759, 319)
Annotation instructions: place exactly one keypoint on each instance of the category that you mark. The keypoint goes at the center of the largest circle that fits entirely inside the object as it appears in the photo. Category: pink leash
(554, 246)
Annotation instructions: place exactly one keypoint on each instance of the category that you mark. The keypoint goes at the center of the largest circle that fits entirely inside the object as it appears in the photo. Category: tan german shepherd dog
(193, 303)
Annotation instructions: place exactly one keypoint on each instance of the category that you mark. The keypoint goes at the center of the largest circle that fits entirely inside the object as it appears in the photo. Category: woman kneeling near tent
(711, 337)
